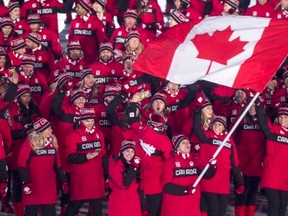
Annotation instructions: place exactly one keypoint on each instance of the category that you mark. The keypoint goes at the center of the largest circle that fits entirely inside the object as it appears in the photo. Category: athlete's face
(88, 123)
(184, 146)
(207, 111)
(128, 154)
(158, 105)
(218, 127)
(283, 120)
(80, 102)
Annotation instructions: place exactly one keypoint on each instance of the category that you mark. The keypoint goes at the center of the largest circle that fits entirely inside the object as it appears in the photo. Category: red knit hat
(87, 113)
(111, 90)
(86, 4)
(126, 144)
(159, 96)
(106, 46)
(63, 78)
(28, 59)
(35, 37)
(283, 109)
(75, 93)
(73, 44)
(178, 16)
(132, 34)
(17, 43)
(12, 5)
(102, 2)
(40, 124)
(6, 21)
(2, 51)
(203, 101)
(22, 89)
(33, 18)
(177, 139)
(130, 13)
(157, 121)
(221, 119)
(233, 3)
(85, 72)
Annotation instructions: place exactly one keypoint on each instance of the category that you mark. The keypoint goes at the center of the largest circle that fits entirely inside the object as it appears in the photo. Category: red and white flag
(235, 51)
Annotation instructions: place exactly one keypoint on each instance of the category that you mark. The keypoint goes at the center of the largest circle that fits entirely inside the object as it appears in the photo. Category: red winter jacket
(39, 168)
(86, 176)
(124, 198)
(275, 163)
(155, 149)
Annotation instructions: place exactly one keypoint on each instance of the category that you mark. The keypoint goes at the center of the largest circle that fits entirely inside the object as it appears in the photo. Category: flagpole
(226, 139)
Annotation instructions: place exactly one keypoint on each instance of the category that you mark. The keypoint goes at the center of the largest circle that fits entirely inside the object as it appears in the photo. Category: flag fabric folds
(235, 51)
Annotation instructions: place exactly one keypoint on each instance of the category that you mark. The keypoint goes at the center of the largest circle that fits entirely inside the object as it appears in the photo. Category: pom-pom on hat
(106, 46)
(177, 139)
(73, 44)
(86, 4)
(77, 92)
(33, 18)
(35, 37)
(283, 109)
(17, 43)
(12, 5)
(159, 96)
(22, 89)
(6, 21)
(178, 16)
(221, 119)
(130, 13)
(126, 144)
(28, 59)
(158, 121)
(40, 124)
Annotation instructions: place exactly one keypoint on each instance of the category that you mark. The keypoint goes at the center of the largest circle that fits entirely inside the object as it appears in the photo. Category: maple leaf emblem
(217, 47)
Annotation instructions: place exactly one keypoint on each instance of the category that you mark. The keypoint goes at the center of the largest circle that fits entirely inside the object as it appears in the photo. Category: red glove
(240, 189)
(190, 190)
(27, 188)
(65, 187)
(3, 189)
(135, 162)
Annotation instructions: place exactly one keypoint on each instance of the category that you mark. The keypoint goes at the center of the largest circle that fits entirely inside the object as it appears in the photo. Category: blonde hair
(206, 122)
(37, 140)
(95, 88)
(137, 51)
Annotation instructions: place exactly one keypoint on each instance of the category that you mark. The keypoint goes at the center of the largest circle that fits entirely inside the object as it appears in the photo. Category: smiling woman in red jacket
(124, 174)
(38, 164)
(86, 157)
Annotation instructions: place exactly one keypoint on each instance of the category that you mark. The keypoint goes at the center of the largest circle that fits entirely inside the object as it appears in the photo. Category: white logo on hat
(84, 138)
(177, 164)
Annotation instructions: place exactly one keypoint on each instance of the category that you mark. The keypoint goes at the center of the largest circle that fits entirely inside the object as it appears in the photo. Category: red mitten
(65, 187)
(240, 189)
(27, 188)
(190, 190)
(3, 189)
(136, 162)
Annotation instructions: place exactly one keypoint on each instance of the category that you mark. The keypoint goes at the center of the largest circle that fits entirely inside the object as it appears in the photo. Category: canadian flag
(235, 51)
